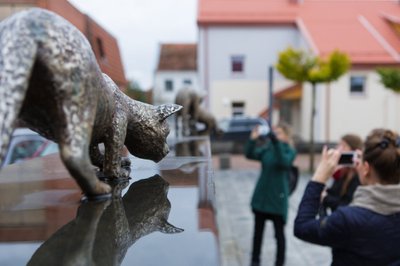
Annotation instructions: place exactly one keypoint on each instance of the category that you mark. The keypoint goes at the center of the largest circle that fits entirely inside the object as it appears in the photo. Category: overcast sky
(140, 26)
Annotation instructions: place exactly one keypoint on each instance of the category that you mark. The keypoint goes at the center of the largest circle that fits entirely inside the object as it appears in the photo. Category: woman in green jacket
(270, 197)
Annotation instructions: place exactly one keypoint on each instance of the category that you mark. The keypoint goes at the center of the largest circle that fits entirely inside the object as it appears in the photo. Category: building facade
(176, 69)
(240, 41)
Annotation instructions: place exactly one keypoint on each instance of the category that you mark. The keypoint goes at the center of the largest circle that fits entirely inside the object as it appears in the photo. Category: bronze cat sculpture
(192, 113)
(50, 80)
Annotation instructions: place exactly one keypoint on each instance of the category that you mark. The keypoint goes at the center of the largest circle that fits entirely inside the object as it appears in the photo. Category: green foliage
(339, 63)
(320, 72)
(295, 64)
(135, 92)
(300, 66)
(390, 78)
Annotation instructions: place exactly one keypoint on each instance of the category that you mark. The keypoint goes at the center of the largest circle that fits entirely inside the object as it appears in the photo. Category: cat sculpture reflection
(102, 232)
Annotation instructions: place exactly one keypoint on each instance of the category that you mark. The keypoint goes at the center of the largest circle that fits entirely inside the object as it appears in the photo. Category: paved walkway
(234, 188)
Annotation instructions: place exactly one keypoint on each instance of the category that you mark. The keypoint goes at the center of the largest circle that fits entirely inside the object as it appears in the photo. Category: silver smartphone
(263, 130)
(347, 158)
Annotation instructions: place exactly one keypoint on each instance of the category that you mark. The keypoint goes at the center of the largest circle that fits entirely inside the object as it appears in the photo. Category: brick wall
(109, 59)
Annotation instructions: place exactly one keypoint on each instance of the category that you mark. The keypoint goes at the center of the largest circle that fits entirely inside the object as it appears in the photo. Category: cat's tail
(17, 57)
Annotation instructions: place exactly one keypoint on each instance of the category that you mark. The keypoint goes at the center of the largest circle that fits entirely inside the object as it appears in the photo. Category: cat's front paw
(125, 161)
(120, 173)
(99, 192)
(124, 172)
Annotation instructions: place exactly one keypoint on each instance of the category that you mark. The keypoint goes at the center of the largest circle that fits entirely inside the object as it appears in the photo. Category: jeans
(259, 225)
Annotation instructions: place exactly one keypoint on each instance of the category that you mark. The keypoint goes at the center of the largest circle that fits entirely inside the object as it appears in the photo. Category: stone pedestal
(165, 213)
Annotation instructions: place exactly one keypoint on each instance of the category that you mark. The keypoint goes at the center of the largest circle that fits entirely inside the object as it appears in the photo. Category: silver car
(24, 144)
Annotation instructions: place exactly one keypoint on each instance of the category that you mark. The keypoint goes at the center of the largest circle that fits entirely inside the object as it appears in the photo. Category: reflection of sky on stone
(191, 247)
(15, 254)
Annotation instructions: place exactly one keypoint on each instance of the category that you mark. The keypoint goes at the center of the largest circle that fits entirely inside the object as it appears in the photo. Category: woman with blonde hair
(270, 197)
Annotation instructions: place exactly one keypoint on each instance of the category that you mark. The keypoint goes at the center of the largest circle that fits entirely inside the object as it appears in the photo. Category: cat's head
(148, 129)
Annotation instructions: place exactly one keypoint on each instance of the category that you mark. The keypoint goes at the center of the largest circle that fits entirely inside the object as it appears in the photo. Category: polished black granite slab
(164, 215)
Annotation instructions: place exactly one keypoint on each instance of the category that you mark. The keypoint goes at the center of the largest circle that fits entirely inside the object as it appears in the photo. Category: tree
(390, 78)
(295, 64)
(339, 63)
(135, 92)
(300, 66)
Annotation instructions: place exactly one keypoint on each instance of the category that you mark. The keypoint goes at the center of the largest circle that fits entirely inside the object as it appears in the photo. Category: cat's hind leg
(17, 56)
(74, 154)
(74, 143)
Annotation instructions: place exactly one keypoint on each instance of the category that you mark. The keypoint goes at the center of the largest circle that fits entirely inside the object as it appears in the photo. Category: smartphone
(347, 158)
(263, 130)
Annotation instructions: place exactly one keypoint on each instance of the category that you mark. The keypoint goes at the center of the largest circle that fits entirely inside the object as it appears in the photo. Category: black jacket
(334, 198)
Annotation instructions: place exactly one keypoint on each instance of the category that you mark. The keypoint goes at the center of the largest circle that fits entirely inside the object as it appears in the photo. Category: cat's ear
(166, 110)
(168, 228)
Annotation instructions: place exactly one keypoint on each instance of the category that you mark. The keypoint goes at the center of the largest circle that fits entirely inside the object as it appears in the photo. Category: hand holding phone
(263, 130)
(255, 133)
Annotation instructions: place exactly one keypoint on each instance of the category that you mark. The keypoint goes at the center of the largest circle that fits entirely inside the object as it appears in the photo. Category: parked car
(238, 128)
(48, 147)
(26, 144)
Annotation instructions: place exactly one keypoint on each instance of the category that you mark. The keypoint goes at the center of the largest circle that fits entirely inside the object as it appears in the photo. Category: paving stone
(233, 190)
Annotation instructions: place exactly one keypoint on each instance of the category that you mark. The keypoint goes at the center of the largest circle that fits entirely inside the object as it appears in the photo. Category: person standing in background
(345, 178)
(270, 197)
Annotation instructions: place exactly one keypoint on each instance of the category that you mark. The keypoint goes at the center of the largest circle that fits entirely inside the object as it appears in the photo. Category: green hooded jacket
(272, 190)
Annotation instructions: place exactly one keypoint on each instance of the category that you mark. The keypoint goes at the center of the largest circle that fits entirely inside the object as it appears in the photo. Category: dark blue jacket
(358, 236)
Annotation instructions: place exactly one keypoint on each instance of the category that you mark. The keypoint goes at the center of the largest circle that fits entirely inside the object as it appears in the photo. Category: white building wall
(259, 45)
(201, 60)
(161, 95)
(296, 119)
(253, 93)
(349, 112)
(378, 107)
(306, 112)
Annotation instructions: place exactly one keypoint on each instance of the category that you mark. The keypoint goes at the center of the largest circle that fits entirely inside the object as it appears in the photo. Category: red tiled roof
(358, 27)
(178, 57)
(246, 11)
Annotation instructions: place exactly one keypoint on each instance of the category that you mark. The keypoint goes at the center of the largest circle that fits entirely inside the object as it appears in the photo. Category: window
(237, 63)
(102, 53)
(237, 108)
(285, 111)
(187, 81)
(357, 84)
(169, 85)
